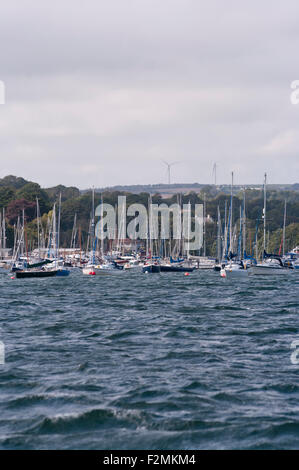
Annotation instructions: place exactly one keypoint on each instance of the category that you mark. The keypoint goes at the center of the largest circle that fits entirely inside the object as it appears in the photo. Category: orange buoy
(187, 274)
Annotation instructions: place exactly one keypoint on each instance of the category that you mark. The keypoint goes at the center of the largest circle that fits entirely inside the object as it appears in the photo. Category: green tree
(31, 191)
(7, 195)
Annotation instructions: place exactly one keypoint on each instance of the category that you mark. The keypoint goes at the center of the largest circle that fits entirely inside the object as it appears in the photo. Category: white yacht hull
(265, 270)
(236, 272)
(97, 270)
(90, 270)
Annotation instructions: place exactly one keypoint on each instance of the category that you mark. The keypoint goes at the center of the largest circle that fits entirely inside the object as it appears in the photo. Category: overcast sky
(98, 92)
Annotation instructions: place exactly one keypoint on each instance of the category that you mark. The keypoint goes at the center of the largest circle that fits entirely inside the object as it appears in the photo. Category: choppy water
(157, 361)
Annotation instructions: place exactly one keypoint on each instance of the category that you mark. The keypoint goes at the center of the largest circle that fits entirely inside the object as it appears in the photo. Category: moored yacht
(151, 268)
(271, 264)
(236, 268)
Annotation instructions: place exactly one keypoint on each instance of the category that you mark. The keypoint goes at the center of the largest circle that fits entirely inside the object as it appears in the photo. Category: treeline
(17, 194)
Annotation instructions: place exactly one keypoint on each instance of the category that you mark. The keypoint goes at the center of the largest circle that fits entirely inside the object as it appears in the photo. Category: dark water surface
(159, 361)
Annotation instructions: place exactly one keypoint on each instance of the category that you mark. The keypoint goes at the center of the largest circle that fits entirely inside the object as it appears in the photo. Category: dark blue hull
(63, 272)
(151, 268)
(176, 269)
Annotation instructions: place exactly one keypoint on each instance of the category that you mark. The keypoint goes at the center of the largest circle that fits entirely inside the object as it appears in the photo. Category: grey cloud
(98, 92)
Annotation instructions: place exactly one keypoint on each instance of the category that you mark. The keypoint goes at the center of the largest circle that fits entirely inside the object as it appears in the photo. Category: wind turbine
(169, 165)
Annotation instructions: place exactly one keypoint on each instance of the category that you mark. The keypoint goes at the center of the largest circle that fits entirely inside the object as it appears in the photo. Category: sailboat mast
(80, 245)
(264, 210)
(58, 228)
(1, 235)
(244, 222)
(224, 252)
(54, 232)
(204, 224)
(240, 242)
(231, 216)
(93, 228)
(15, 237)
(189, 222)
(284, 227)
(3, 230)
(37, 217)
(23, 232)
(182, 239)
(88, 238)
(74, 232)
(218, 236)
(150, 227)
(102, 231)
(25, 235)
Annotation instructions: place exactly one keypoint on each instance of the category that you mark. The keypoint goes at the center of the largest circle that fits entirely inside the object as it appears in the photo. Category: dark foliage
(15, 209)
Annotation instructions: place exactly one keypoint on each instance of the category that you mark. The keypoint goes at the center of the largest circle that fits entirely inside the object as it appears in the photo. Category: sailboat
(218, 264)
(271, 264)
(292, 258)
(235, 266)
(4, 265)
(23, 268)
(91, 269)
(61, 270)
(17, 261)
(29, 273)
(150, 266)
(54, 243)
